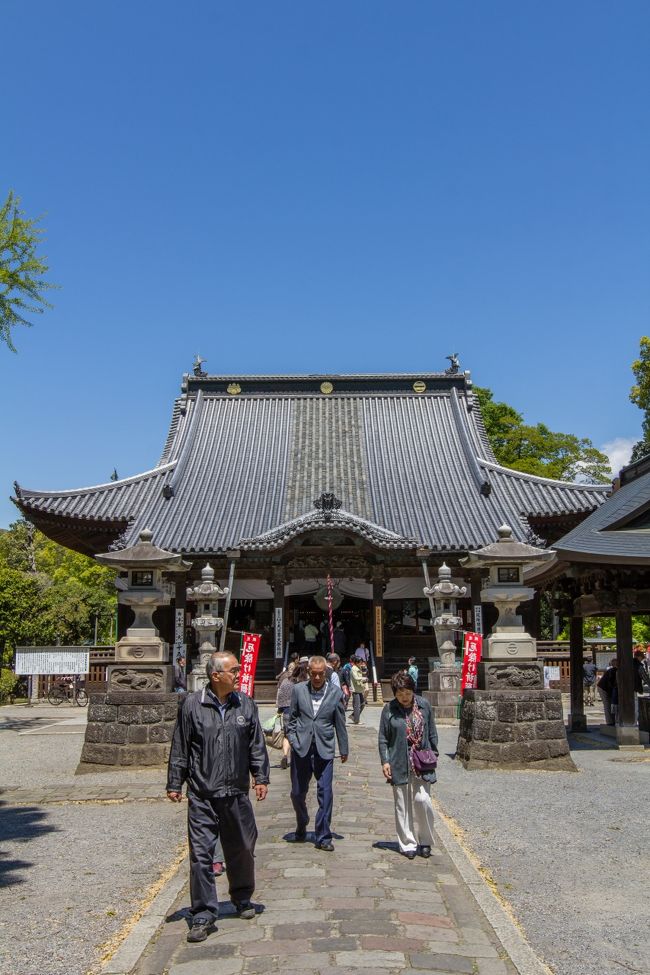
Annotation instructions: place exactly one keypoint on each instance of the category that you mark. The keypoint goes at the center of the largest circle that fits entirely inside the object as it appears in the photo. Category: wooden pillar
(278, 623)
(627, 732)
(577, 717)
(378, 625)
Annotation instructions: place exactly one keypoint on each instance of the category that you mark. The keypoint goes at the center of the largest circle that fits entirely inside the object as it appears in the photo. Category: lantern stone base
(443, 692)
(129, 728)
(513, 729)
(139, 678)
(503, 674)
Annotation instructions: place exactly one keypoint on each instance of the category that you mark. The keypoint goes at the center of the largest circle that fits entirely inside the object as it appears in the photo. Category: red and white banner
(250, 648)
(473, 648)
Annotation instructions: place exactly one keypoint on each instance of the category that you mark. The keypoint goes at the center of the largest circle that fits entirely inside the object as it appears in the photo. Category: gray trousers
(358, 704)
(607, 705)
(231, 819)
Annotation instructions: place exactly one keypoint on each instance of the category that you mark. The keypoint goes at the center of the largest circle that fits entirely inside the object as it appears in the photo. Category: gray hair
(317, 659)
(216, 662)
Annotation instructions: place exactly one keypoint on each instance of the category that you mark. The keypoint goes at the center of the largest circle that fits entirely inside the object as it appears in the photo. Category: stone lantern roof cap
(144, 555)
(506, 549)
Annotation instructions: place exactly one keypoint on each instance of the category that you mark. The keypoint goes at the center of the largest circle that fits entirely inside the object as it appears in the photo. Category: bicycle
(66, 690)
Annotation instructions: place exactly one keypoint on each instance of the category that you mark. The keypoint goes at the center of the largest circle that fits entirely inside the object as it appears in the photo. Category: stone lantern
(206, 594)
(142, 657)
(445, 594)
(510, 720)
(509, 652)
(444, 683)
(133, 721)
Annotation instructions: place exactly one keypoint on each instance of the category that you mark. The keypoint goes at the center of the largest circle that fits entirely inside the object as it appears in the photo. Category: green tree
(640, 396)
(21, 269)
(49, 594)
(536, 449)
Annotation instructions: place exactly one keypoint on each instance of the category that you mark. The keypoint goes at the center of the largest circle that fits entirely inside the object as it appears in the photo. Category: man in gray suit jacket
(317, 712)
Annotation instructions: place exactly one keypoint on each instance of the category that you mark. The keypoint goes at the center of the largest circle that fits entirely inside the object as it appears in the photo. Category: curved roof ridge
(538, 479)
(340, 518)
(23, 492)
(481, 479)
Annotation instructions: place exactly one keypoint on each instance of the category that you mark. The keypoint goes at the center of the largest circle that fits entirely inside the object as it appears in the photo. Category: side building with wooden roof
(292, 478)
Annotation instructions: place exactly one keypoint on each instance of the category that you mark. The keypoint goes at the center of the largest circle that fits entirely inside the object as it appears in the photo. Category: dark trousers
(232, 820)
(358, 704)
(302, 770)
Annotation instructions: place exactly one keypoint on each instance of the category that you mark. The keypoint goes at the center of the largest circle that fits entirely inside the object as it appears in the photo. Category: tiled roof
(236, 466)
(619, 531)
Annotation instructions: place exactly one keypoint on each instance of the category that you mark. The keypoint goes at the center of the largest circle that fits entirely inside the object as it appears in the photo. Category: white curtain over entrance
(359, 588)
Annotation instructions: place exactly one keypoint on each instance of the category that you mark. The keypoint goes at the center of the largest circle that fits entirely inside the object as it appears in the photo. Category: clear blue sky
(305, 187)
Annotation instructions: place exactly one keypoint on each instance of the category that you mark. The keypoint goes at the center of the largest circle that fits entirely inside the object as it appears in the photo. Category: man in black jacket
(218, 745)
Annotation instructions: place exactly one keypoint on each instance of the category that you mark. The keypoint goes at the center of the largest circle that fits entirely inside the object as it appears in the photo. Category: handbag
(424, 760)
(274, 731)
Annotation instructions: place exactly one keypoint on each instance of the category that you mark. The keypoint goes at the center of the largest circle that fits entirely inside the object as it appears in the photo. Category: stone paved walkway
(363, 908)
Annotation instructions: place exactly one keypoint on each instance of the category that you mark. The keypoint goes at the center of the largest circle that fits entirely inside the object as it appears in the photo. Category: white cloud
(619, 451)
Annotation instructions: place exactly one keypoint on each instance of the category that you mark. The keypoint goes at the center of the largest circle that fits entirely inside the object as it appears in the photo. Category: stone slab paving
(363, 908)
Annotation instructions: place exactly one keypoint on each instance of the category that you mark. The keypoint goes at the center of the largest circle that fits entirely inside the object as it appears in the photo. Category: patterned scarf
(414, 728)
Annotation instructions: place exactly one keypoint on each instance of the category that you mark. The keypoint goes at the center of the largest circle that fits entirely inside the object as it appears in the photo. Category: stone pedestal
(129, 728)
(513, 729)
(443, 692)
(503, 674)
(139, 677)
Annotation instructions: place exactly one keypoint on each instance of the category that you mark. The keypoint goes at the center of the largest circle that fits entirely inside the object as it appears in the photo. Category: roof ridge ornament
(454, 364)
(327, 504)
(197, 368)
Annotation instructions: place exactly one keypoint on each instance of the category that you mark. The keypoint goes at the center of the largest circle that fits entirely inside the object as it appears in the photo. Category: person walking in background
(316, 717)
(339, 639)
(361, 653)
(282, 703)
(606, 687)
(589, 671)
(407, 724)
(359, 687)
(333, 665)
(312, 634)
(180, 676)
(217, 746)
(413, 671)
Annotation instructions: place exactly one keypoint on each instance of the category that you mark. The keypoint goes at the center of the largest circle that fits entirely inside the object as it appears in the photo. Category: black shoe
(327, 846)
(409, 854)
(300, 835)
(200, 930)
(425, 851)
(245, 910)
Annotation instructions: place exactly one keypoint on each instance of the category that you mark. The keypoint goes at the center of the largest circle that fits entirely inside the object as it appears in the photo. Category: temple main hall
(279, 481)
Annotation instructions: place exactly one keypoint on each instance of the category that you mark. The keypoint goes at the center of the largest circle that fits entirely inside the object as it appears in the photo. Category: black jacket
(216, 756)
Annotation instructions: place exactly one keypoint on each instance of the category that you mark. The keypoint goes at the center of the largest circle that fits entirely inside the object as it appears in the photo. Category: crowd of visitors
(218, 750)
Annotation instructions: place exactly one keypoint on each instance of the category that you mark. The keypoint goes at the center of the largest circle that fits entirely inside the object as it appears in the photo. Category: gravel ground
(71, 874)
(568, 851)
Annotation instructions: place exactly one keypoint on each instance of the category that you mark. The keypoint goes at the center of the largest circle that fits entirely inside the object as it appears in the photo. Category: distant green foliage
(8, 681)
(536, 449)
(607, 624)
(21, 269)
(640, 396)
(49, 594)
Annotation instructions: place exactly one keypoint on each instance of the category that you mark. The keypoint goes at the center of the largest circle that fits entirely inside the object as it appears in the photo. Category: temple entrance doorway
(354, 615)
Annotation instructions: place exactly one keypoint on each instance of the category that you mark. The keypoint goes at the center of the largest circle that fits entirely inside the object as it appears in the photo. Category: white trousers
(413, 814)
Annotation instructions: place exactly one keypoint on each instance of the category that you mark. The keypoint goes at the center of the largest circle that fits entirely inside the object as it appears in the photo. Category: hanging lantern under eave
(321, 598)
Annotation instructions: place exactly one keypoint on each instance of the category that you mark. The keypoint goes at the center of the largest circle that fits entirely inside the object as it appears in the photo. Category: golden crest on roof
(419, 386)
(234, 389)
(326, 388)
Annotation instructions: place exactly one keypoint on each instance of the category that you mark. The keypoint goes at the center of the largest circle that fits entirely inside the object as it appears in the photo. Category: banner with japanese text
(250, 648)
(473, 648)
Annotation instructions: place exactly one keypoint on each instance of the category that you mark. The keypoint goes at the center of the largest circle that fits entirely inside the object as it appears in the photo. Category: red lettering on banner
(473, 648)
(250, 647)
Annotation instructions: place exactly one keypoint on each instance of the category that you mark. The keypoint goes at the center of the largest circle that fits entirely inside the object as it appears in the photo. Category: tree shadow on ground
(19, 824)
